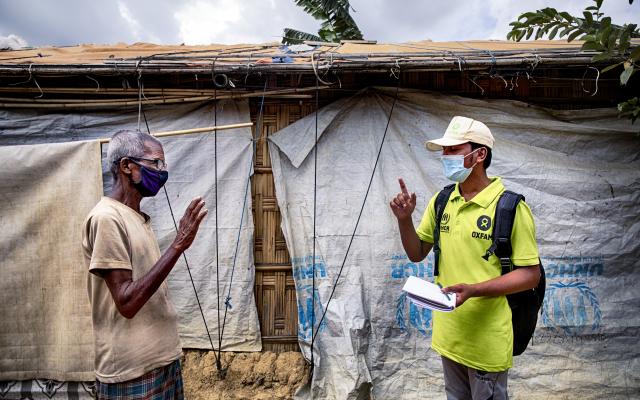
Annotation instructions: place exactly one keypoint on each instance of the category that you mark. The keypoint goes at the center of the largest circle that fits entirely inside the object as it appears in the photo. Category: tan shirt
(117, 237)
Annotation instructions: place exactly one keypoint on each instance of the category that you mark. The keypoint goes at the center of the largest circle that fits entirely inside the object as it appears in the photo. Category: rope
(140, 97)
(227, 301)
(215, 171)
(324, 313)
(185, 258)
(313, 260)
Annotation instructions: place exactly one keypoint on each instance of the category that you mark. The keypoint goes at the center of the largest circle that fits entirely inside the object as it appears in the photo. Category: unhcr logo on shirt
(444, 221)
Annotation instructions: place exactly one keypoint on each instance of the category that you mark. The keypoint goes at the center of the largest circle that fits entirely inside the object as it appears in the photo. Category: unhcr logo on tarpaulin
(571, 307)
(310, 307)
(410, 318)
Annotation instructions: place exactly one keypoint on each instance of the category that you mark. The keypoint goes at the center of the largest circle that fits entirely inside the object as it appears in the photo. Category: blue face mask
(151, 181)
(454, 169)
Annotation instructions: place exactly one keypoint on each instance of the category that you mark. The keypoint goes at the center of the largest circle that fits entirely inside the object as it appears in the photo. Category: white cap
(462, 130)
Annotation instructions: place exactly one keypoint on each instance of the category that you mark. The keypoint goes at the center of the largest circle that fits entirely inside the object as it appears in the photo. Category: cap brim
(438, 144)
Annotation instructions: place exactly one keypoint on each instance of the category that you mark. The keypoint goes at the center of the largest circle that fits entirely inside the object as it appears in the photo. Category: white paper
(428, 295)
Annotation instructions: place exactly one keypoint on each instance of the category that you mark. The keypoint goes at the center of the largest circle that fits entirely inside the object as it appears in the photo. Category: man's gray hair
(126, 143)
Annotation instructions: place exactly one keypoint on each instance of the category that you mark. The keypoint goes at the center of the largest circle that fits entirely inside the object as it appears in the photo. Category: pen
(446, 294)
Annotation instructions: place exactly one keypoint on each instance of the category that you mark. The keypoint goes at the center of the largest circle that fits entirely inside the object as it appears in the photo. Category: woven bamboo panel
(274, 288)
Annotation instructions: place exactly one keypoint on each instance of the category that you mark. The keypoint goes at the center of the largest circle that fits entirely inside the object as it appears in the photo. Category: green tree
(611, 42)
(337, 23)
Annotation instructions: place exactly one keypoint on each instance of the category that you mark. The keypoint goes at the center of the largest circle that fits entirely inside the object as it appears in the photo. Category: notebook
(428, 295)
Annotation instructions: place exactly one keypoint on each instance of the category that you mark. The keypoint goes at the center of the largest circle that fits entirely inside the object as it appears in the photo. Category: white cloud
(12, 42)
(233, 22)
(68, 22)
(137, 31)
(203, 22)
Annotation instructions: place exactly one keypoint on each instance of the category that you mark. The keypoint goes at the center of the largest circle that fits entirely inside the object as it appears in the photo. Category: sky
(69, 22)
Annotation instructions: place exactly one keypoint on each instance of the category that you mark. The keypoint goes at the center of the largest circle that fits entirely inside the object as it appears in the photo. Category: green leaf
(592, 46)
(601, 57)
(626, 74)
(529, 32)
(598, 3)
(574, 35)
(550, 12)
(539, 33)
(625, 37)
(521, 35)
(566, 16)
(604, 35)
(591, 8)
(610, 67)
(553, 32)
(292, 36)
(635, 54)
(612, 42)
(588, 17)
(565, 31)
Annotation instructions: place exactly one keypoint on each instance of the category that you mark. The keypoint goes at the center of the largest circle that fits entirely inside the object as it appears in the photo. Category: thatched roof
(273, 57)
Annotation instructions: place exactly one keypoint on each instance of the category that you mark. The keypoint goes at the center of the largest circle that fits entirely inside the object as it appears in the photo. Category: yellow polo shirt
(478, 334)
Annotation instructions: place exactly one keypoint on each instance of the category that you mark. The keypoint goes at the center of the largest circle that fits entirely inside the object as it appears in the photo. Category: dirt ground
(256, 376)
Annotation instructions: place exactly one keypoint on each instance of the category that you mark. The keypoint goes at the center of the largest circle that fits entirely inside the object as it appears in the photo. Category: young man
(475, 341)
(137, 349)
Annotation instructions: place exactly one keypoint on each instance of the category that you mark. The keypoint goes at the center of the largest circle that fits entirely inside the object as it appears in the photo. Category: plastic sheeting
(46, 319)
(579, 171)
(191, 173)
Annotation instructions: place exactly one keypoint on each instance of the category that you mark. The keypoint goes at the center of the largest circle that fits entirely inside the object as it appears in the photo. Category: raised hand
(189, 224)
(404, 203)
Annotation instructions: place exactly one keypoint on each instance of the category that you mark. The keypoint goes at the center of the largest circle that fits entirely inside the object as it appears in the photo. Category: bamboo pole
(43, 103)
(361, 66)
(194, 130)
(103, 91)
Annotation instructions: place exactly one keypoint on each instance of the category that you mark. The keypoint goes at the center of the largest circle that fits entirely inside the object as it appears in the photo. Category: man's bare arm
(518, 280)
(129, 295)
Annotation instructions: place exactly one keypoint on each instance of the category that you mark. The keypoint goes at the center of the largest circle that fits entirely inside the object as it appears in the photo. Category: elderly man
(476, 339)
(137, 349)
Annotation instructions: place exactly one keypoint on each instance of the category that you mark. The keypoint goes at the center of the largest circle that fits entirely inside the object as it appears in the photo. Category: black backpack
(524, 305)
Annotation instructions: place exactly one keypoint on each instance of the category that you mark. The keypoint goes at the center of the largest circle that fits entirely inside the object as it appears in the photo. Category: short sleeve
(523, 238)
(428, 223)
(108, 243)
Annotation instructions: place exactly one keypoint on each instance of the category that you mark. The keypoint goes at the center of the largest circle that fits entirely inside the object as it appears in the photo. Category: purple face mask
(151, 181)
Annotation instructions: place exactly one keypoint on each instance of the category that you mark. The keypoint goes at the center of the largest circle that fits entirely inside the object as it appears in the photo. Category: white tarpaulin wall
(191, 173)
(579, 171)
(46, 320)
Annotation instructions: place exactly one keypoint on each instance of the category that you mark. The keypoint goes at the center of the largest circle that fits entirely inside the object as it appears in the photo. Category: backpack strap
(440, 204)
(502, 226)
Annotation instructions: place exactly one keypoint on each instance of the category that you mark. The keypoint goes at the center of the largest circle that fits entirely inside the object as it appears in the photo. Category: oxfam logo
(484, 223)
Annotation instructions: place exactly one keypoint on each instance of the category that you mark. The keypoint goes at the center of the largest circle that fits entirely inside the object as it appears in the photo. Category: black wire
(215, 169)
(246, 190)
(313, 260)
(191, 278)
(360, 214)
(185, 256)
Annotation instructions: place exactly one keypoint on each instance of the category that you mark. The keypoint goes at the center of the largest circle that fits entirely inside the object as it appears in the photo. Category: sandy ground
(264, 375)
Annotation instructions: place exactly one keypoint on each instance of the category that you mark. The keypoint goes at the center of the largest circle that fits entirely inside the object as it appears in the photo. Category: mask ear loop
(476, 163)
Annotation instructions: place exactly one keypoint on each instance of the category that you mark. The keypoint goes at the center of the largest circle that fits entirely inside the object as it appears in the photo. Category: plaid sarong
(164, 383)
